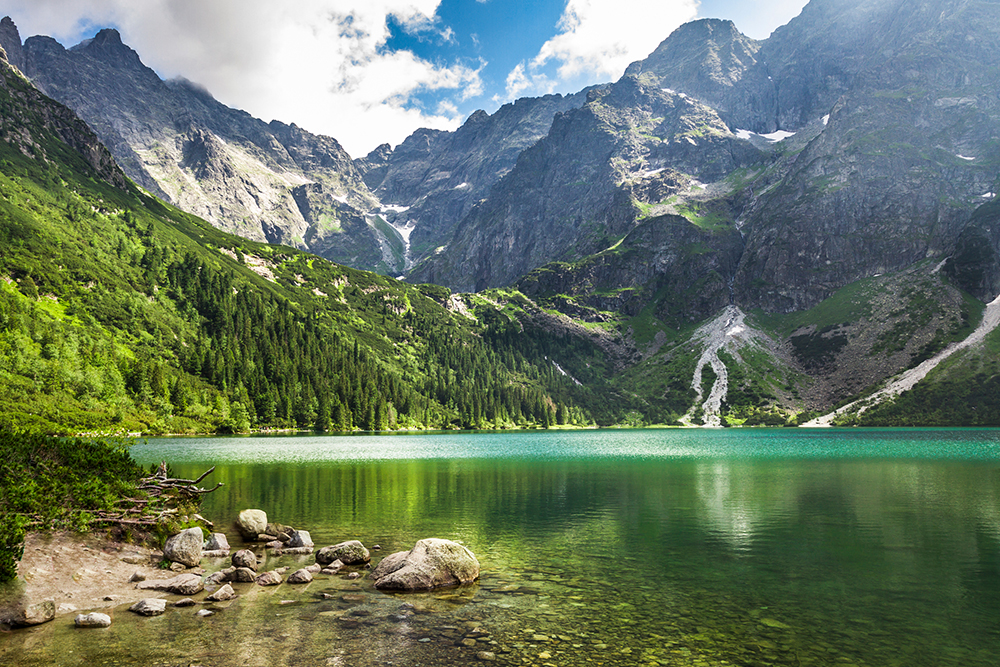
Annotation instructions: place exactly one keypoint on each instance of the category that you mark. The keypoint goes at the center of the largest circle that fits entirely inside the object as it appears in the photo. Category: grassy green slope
(120, 313)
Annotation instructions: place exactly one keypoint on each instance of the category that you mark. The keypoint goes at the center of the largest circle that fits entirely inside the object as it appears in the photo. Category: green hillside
(119, 313)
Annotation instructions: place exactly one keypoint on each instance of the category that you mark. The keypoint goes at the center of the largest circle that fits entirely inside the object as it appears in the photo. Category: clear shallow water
(672, 547)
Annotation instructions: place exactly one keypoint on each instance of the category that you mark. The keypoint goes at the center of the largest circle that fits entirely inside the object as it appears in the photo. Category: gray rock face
(185, 547)
(92, 620)
(431, 563)
(10, 40)
(251, 523)
(224, 593)
(574, 191)
(351, 552)
(434, 178)
(177, 141)
(149, 607)
(245, 558)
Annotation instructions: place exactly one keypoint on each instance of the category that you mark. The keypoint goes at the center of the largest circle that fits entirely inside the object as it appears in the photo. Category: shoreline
(78, 572)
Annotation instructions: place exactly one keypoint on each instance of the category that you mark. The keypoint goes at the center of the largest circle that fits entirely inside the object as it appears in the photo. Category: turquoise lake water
(632, 547)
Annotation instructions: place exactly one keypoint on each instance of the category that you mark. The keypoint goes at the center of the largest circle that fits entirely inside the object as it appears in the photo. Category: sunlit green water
(651, 547)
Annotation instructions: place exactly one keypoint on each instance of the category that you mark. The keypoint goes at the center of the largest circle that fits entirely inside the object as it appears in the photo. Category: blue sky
(372, 72)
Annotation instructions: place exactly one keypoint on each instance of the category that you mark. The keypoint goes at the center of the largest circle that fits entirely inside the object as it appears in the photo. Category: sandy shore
(80, 573)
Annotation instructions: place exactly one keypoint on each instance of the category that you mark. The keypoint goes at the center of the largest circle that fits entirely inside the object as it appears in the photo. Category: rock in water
(431, 563)
(243, 575)
(186, 584)
(185, 547)
(92, 620)
(37, 614)
(245, 558)
(217, 542)
(149, 607)
(349, 553)
(271, 578)
(302, 576)
(251, 523)
(224, 593)
(300, 538)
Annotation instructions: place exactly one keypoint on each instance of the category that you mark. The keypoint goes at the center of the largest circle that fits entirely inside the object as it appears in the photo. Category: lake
(621, 547)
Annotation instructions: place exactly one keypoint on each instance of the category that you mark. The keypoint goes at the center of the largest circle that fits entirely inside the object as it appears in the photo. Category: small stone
(302, 576)
(487, 656)
(64, 609)
(377, 547)
(185, 584)
(267, 537)
(274, 544)
(219, 553)
(204, 612)
(544, 655)
(136, 576)
(298, 551)
(216, 578)
(271, 578)
(185, 602)
(149, 607)
(92, 620)
(468, 641)
(109, 598)
(539, 638)
(178, 567)
(314, 568)
(354, 575)
(224, 593)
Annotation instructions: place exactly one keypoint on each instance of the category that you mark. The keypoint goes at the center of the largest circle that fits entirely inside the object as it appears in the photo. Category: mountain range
(740, 230)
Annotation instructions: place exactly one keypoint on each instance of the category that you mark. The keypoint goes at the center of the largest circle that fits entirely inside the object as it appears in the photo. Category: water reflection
(610, 547)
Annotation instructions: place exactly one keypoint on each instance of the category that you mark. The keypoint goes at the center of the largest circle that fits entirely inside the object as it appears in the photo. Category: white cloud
(597, 40)
(319, 63)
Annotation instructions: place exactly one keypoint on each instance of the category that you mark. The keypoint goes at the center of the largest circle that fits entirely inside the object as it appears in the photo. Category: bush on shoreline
(48, 482)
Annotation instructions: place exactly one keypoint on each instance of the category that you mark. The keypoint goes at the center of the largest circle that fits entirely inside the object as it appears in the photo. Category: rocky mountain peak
(10, 40)
(108, 48)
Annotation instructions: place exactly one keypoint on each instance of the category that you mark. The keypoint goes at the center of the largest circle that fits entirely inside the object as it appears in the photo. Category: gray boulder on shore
(185, 547)
(431, 563)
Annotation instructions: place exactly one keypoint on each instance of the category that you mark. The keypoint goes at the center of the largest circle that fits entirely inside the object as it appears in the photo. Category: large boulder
(431, 563)
(185, 547)
(251, 523)
(351, 552)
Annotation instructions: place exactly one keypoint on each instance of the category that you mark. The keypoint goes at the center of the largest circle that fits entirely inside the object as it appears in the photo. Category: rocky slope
(433, 179)
(179, 143)
(574, 193)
